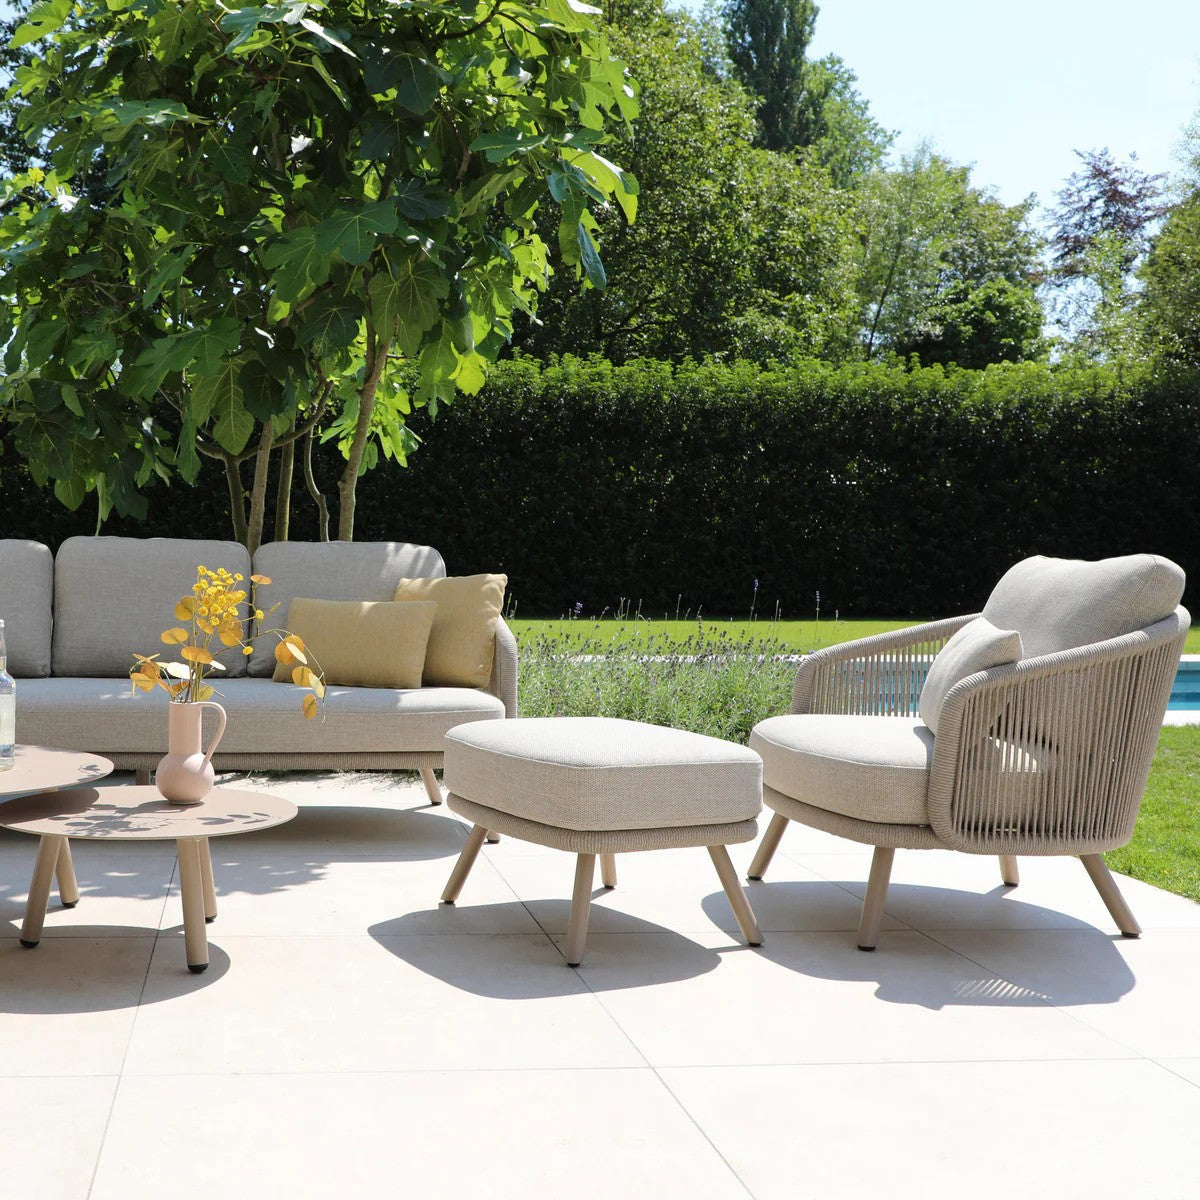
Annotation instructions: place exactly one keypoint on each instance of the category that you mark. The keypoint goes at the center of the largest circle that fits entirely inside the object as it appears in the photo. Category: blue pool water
(1186, 692)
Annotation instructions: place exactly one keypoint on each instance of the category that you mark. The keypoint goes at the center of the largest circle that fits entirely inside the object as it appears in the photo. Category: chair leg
(877, 886)
(462, 868)
(737, 898)
(608, 870)
(1009, 871)
(432, 788)
(581, 900)
(1111, 895)
(768, 846)
(492, 837)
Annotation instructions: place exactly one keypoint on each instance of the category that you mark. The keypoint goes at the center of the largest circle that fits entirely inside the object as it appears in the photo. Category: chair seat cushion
(100, 715)
(872, 768)
(599, 773)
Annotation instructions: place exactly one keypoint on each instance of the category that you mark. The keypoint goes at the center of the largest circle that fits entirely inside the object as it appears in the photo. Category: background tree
(1170, 302)
(312, 214)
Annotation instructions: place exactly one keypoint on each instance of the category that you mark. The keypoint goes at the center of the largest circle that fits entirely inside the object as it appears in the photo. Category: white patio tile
(377, 1003)
(1186, 1068)
(67, 1007)
(814, 997)
(1140, 992)
(528, 1135)
(985, 1129)
(50, 1134)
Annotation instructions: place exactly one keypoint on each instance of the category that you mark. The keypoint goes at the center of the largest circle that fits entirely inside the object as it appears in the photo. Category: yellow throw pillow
(359, 643)
(463, 640)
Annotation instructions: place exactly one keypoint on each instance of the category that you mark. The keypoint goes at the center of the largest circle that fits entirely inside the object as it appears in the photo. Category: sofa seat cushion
(872, 768)
(26, 599)
(599, 773)
(264, 717)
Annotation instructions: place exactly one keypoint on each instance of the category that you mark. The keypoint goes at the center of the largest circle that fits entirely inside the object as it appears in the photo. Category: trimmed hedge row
(888, 490)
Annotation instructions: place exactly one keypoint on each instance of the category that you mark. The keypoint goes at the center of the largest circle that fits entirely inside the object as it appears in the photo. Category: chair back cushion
(26, 597)
(975, 647)
(332, 571)
(1060, 603)
(114, 596)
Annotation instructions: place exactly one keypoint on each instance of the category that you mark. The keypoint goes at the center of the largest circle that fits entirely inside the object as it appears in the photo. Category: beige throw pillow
(463, 641)
(977, 646)
(362, 643)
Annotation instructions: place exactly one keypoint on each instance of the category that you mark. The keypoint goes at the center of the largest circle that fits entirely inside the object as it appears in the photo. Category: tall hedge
(889, 491)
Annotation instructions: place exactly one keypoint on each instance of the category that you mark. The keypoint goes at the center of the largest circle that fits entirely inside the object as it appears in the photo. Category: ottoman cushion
(599, 773)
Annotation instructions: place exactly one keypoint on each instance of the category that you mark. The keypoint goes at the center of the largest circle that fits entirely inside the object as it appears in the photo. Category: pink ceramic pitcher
(186, 775)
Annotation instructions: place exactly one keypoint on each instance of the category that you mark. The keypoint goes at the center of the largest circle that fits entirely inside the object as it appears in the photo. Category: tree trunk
(377, 352)
(237, 499)
(310, 482)
(283, 492)
(258, 494)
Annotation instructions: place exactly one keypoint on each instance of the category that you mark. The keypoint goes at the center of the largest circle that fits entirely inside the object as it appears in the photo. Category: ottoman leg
(737, 898)
(581, 900)
(432, 790)
(608, 870)
(462, 868)
(767, 847)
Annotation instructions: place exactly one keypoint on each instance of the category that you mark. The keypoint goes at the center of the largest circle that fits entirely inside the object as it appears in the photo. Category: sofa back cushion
(26, 600)
(1059, 603)
(332, 571)
(977, 646)
(114, 596)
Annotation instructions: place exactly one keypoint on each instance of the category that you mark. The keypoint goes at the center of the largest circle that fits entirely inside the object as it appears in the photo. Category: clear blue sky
(1014, 86)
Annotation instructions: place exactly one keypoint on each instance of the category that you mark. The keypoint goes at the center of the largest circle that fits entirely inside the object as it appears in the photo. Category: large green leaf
(298, 263)
(232, 423)
(411, 298)
(417, 82)
(352, 232)
(43, 19)
(208, 389)
(419, 202)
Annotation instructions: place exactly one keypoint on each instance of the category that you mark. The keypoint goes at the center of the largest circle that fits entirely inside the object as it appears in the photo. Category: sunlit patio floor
(354, 1038)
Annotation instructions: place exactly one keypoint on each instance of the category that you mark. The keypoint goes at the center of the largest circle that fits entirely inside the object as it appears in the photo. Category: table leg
(191, 892)
(206, 877)
(68, 885)
(49, 849)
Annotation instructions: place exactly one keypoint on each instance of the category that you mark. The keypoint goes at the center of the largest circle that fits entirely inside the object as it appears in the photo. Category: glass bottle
(8, 710)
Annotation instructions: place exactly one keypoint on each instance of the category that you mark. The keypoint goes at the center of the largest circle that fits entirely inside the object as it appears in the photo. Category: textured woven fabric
(113, 597)
(333, 571)
(100, 715)
(603, 841)
(26, 597)
(503, 682)
(870, 768)
(871, 833)
(462, 643)
(1057, 603)
(361, 643)
(596, 773)
(975, 647)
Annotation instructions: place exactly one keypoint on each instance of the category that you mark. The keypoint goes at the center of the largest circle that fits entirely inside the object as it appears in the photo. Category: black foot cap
(209, 920)
(867, 949)
(1131, 935)
(610, 887)
(29, 945)
(197, 968)
(572, 964)
(69, 903)
(754, 879)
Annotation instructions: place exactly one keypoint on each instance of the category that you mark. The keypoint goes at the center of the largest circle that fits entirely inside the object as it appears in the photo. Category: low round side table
(129, 813)
(41, 768)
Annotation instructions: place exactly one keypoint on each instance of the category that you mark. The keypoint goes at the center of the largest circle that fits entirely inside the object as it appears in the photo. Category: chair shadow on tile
(912, 967)
(74, 975)
(485, 964)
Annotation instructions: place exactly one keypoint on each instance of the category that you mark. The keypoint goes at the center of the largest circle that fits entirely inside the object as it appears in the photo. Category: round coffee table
(128, 813)
(40, 768)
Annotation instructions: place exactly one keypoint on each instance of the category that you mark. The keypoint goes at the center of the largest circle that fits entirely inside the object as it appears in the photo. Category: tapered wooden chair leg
(581, 900)
(877, 887)
(432, 788)
(462, 868)
(1009, 871)
(49, 849)
(1111, 895)
(737, 898)
(608, 870)
(768, 846)
(141, 776)
(68, 885)
(206, 878)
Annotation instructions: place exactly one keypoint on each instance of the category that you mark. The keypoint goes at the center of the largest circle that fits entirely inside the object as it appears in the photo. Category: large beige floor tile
(813, 997)
(50, 1134)
(1141, 992)
(1186, 1068)
(371, 1004)
(67, 1007)
(940, 1131)
(528, 1135)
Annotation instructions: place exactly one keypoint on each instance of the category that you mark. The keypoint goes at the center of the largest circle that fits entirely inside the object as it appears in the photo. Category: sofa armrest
(503, 683)
(873, 676)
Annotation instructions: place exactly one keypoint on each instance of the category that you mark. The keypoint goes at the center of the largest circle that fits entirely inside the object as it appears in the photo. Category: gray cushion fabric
(977, 646)
(872, 768)
(26, 599)
(102, 716)
(333, 571)
(597, 773)
(115, 596)
(1058, 603)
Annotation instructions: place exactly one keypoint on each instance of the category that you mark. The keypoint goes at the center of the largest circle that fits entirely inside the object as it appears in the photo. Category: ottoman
(599, 786)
